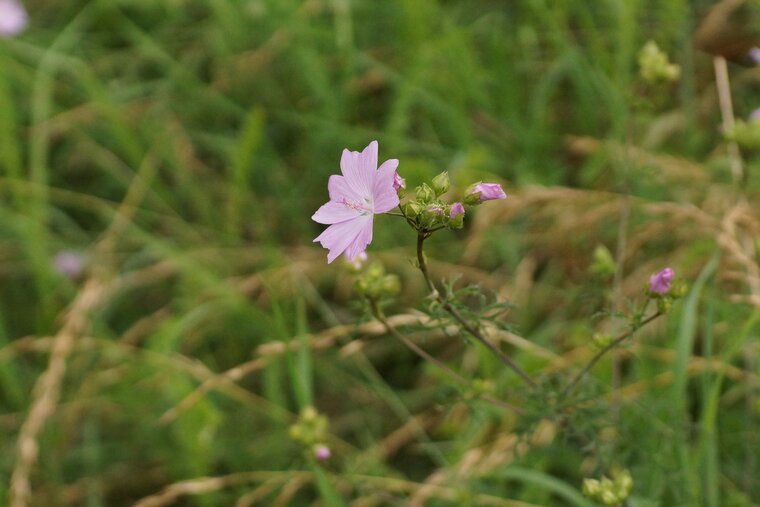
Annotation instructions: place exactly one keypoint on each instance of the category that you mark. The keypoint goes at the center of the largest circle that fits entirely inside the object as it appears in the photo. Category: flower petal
(359, 244)
(340, 189)
(339, 236)
(359, 169)
(333, 212)
(384, 193)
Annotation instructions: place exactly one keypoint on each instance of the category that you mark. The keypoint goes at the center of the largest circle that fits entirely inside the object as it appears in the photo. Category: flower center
(366, 207)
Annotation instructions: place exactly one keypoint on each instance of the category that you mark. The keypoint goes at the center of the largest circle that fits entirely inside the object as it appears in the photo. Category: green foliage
(182, 146)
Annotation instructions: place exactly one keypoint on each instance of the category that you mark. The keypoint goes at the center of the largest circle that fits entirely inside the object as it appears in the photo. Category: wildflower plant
(365, 190)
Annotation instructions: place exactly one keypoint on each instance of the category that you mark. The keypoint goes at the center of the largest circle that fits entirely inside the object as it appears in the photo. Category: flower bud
(481, 192)
(654, 65)
(456, 214)
(660, 283)
(425, 194)
(441, 183)
(322, 452)
(399, 185)
(412, 209)
(591, 488)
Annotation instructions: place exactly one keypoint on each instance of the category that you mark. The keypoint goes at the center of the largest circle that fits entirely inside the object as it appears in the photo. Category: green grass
(182, 147)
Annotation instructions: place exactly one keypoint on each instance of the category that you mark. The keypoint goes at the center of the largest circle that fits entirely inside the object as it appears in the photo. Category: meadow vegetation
(170, 335)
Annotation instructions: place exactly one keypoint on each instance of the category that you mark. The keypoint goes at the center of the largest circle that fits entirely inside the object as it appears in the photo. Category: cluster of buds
(664, 289)
(654, 65)
(610, 491)
(428, 212)
(746, 133)
(310, 430)
(374, 283)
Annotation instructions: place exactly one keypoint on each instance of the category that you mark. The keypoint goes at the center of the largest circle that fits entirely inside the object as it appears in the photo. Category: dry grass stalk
(48, 387)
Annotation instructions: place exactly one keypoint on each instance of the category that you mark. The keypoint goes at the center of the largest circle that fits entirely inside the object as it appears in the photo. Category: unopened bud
(441, 183)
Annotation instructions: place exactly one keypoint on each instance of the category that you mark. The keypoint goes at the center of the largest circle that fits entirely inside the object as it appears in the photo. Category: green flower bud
(654, 65)
(412, 209)
(603, 263)
(591, 488)
(441, 183)
(390, 285)
(664, 304)
(425, 194)
(601, 340)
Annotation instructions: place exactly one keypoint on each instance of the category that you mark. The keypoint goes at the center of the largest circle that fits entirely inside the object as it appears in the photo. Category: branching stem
(472, 330)
(614, 343)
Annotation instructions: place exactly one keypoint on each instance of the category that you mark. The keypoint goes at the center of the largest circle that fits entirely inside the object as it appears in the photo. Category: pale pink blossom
(456, 209)
(755, 115)
(13, 18)
(660, 283)
(356, 196)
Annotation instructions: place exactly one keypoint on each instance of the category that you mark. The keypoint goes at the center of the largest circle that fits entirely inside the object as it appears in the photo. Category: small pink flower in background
(660, 283)
(322, 453)
(13, 18)
(755, 115)
(754, 55)
(358, 261)
(398, 182)
(457, 209)
(489, 191)
(363, 191)
(69, 263)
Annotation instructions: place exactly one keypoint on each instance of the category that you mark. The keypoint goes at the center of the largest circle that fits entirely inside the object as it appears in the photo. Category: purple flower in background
(363, 191)
(456, 209)
(660, 283)
(755, 115)
(69, 263)
(754, 55)
(13, 18)
(322, 453)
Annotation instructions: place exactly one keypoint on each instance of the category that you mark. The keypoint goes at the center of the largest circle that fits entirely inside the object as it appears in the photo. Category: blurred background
(165, 316)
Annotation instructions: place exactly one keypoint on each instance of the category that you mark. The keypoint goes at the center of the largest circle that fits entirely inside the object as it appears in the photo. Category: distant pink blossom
(755, 115)
(660, 283)
(13, 18)
(754, 55)
(398, 182)
(363, 191)
(69, 263)
(322, 453)
(457, 209)
(489, 191)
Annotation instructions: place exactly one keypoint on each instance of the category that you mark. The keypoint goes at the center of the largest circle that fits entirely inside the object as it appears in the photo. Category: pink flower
(754, 54)
(322, 452)
(755, 115)
(363, 191)
(490, 191)
(660, 283)
(13, 18)
(398, 182)
(69, 263)
(457, 209)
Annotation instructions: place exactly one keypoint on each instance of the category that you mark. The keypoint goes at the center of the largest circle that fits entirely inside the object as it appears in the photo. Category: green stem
(380, 316)
(473, 331)
(614, 343)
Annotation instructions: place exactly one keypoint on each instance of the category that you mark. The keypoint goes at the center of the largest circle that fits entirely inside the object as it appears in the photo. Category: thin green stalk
(473, 331)
(614, 343)
(380, 316)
